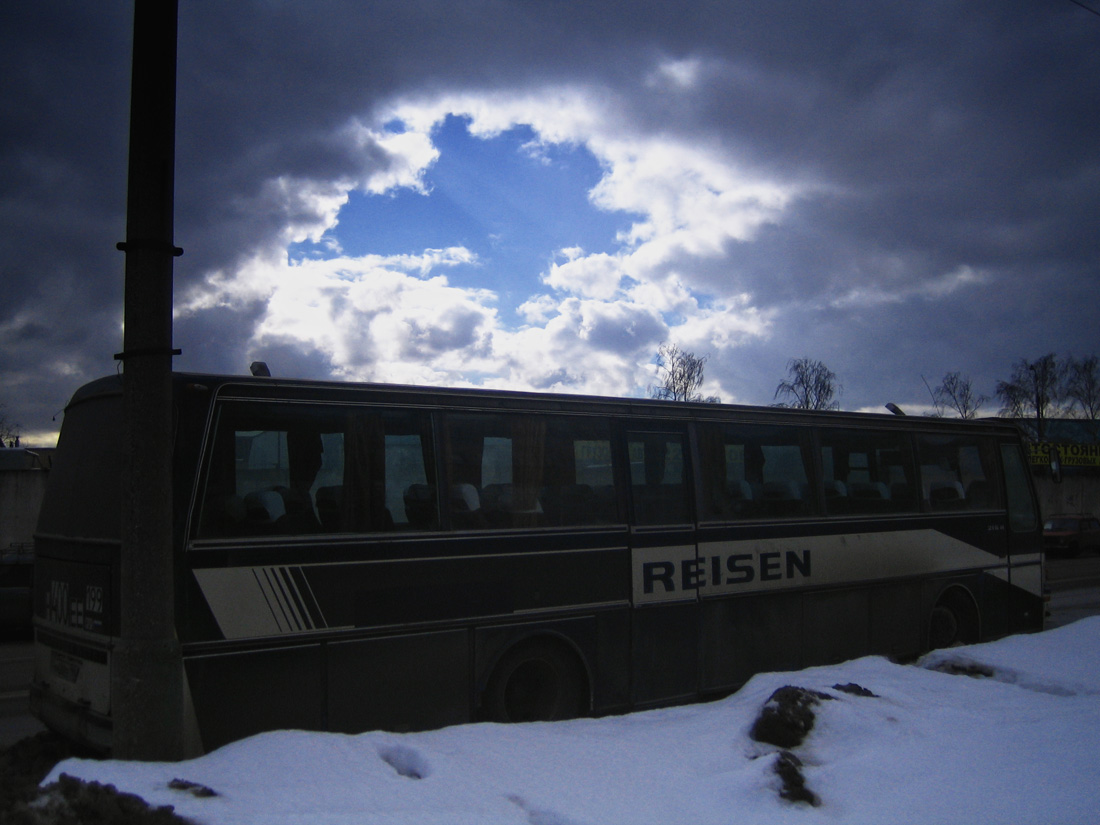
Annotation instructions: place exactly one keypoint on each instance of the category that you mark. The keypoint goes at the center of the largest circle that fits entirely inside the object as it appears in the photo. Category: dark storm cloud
(927, 137)
(218, 338)
(264, 90)
(959, 136)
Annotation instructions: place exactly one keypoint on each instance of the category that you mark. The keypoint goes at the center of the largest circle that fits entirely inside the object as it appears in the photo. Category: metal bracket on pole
(149, 245)
(138, 353)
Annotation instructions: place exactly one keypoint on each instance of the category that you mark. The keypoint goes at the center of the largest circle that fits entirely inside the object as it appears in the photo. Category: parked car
(1069, 535)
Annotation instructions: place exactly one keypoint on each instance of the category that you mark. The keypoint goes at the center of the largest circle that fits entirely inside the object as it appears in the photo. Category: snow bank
(1013, 743)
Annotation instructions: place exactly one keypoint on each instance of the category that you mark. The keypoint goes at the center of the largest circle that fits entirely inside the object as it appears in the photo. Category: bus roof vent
(259, 369)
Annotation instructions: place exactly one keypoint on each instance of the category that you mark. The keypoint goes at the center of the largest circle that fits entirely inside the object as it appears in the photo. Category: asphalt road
(1074, 594)
(1074, 586)
(1083, 571)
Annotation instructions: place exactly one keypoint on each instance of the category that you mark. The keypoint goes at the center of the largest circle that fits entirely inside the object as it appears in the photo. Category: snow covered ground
(1019, 746)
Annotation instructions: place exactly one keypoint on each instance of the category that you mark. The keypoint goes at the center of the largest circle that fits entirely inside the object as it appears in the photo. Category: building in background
(23, 474)
(1078, 444)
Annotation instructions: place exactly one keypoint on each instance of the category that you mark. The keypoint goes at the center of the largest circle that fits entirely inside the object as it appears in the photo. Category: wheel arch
(953, 601)
(496, 645)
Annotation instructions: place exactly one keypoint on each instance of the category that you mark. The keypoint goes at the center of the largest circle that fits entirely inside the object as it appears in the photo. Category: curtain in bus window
(303, 450)
(221, 509)
(958, 472)
(474, 452)
(363, 507)
(717, 501)
(528, 458)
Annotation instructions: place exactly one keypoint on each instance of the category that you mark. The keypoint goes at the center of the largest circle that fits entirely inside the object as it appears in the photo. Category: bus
(352, 557)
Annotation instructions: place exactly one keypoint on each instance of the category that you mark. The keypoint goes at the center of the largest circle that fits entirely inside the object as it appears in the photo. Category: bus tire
(954, 620)
(539, 681)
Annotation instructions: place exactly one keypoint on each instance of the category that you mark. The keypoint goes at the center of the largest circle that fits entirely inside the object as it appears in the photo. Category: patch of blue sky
(511, 201)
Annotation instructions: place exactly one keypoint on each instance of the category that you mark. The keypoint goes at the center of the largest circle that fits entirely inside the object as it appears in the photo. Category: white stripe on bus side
(252, 601)
(728, 567)
(280, 592)
(1028, 578)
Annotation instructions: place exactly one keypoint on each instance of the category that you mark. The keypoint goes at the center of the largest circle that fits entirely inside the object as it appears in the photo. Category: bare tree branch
(1034, 391)
(811, 386)
(955, 392)
(681, 375)
(9, 432)
(1083, 386)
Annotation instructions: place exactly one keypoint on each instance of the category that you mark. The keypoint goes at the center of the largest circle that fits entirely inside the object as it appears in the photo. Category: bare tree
(1034, 390)
(811, 386)
(1083, 386)
(9, 432)
(681, 375)
(955, 392)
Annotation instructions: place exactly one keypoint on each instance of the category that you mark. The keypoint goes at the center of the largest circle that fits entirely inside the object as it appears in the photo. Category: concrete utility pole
(146, 667)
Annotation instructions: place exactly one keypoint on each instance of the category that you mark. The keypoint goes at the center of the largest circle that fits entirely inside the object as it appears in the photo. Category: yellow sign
(1073, 455)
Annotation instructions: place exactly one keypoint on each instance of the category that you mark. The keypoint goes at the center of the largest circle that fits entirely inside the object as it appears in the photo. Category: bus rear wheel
(541, 681)
(953, 621)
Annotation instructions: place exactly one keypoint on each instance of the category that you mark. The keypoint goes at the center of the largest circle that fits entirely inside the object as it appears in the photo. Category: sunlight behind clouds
(679, 73)
(934, 287)
(594, 276)
(410, 154)
(605, 313)
(897, 189)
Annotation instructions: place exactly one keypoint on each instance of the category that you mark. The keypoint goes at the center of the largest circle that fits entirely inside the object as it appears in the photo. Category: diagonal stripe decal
(273, 584)
(260, 601)
(310, 606)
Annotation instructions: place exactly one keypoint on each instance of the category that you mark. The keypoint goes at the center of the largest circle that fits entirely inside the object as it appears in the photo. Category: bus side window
(519, 471)
(578, 487)
(410, 491)
(262, 473)
(957, 472)
(388, 480)
(659, 478)
(754, 471)
(867, 472)
(295, 469)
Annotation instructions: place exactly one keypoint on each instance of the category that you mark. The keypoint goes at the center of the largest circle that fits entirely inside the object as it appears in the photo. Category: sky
(536, 194)
(929, 744)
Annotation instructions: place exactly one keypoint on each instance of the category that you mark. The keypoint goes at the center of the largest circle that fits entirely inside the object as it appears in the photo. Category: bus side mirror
(1055, 465)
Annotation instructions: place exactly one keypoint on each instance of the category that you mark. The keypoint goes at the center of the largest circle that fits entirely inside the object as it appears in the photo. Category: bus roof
(270, 388)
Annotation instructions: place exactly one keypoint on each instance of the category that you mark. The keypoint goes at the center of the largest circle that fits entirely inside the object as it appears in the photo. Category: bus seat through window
(869, 491)
(946, 495)
(731, 499)
(264, 507)
(466, 506)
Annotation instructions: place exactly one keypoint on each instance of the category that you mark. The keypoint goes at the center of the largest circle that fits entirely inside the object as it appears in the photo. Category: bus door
(664, 562)
(1025, 558)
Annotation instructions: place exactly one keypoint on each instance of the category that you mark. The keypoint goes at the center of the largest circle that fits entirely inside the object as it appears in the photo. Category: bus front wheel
(541, 681)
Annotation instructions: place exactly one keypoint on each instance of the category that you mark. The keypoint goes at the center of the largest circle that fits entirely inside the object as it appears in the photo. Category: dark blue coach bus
(356, 557)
